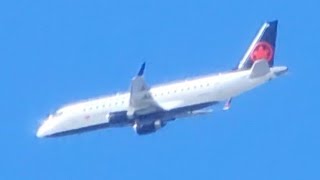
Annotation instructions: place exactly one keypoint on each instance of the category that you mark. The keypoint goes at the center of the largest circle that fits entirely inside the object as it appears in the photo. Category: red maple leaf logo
(262, 50)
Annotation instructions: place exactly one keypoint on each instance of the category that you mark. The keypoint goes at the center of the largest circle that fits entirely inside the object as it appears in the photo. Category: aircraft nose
(42, 131)
(45, 129)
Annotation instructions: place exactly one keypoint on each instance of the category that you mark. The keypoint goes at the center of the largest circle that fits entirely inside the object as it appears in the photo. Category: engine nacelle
(143, 129)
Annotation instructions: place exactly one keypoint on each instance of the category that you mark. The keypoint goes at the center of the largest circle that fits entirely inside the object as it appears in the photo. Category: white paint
(142, 100)
(179, 94)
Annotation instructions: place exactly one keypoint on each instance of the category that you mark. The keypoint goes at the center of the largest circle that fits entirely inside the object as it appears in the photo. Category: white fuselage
(213, 88)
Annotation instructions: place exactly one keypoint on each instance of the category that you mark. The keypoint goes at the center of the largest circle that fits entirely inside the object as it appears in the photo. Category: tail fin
(262, 47)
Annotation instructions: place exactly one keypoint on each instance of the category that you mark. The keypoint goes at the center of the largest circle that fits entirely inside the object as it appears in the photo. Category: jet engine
(143, 129)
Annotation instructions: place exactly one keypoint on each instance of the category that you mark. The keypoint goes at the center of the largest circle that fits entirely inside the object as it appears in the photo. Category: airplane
(149, 108)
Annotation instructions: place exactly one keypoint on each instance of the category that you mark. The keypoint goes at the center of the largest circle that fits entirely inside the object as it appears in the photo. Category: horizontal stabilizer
(259, 68)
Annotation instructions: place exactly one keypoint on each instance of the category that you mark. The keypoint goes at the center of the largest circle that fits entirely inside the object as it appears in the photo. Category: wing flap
(170, 105)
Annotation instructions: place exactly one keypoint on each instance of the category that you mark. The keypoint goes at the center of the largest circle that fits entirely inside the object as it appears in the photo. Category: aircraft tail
(262, 47)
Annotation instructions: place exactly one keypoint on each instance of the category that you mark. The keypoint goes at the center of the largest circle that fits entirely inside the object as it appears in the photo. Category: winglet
(227, 105)
(141, 71)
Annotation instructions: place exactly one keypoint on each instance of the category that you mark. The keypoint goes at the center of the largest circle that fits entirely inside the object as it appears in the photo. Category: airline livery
(149, 108)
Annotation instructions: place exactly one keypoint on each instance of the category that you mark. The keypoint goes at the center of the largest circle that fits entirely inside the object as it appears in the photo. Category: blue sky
(56, 52)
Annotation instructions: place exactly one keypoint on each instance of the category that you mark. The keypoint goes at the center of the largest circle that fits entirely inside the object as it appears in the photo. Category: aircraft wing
(141, 101)
(170, 105)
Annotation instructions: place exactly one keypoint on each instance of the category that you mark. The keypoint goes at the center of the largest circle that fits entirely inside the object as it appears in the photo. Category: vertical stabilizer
(262, 47)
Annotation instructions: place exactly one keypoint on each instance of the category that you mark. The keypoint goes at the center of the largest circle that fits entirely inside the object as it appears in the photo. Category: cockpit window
(57, 113)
